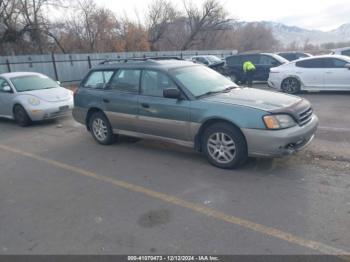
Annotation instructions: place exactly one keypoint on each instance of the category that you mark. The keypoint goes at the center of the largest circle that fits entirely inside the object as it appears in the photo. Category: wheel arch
(14, 106)
(293, 76)
(89, 113)
(210, 122)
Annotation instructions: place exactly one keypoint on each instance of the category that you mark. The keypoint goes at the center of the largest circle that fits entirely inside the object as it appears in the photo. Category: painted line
(265, 230)
(335, 129)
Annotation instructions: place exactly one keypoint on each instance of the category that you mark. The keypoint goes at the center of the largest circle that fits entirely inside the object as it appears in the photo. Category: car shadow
(44, 123)
(261, 166)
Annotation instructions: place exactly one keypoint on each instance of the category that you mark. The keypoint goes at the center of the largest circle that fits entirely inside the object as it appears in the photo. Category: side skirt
(152, 137)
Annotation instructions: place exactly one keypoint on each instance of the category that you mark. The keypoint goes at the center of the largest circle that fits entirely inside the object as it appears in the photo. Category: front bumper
(48, 111)
(276, 143)
(274, 82)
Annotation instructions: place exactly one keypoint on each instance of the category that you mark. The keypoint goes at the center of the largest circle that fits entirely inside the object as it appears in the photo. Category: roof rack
(133, 59)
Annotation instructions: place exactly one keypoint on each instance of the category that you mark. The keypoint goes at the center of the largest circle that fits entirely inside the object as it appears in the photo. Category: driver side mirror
(347, 66)
(7, 89)
(173, 93)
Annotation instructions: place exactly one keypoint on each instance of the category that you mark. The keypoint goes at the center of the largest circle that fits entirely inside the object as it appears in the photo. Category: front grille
(305, 116)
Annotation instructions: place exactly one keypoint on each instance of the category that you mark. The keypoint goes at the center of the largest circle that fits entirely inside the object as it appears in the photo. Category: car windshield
(200, 80)
(213, 59)
(33, 82)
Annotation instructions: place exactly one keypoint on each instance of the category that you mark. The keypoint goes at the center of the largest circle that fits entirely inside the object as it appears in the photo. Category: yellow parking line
(266, 230)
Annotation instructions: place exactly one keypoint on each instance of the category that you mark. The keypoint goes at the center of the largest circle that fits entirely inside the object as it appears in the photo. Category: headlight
(279, 121)
(33, 101)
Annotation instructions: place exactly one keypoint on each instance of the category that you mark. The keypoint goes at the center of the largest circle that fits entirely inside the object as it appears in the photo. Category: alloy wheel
(221, 147)
(290, 85)
(99, 127)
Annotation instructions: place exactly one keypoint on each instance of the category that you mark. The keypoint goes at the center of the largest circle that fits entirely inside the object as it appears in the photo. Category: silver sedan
(27, 97)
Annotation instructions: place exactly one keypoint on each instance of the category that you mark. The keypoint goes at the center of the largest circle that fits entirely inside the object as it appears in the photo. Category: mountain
(289, 34)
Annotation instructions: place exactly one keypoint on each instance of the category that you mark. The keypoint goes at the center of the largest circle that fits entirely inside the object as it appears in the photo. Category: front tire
(291, 85)
(101, 129)
(21, 116)
(224, 146)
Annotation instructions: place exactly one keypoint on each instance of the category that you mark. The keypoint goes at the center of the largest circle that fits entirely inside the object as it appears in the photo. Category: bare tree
(88, 29)
(24, 25)
(132, 36)
(161, 13)
(11, 28)
(211, 17)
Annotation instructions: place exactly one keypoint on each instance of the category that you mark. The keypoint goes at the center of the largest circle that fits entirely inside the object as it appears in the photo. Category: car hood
(256, 98)
(51, 95)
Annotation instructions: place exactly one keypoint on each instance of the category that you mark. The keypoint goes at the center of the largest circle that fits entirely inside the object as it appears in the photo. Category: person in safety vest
(249, 70)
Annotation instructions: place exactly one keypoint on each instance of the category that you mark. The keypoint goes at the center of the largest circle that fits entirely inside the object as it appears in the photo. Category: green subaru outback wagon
(194, 106)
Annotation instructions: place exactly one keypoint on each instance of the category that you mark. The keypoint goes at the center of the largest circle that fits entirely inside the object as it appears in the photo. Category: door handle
(145, 105)
(105, 100)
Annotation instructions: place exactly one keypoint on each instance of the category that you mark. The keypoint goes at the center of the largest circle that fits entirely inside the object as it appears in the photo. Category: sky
(310, 14)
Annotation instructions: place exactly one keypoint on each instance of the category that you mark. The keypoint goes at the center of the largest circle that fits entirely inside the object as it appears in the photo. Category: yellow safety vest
(248, 66)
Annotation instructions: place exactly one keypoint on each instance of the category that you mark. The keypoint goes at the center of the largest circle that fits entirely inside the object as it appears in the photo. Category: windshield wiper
(27, 90)
(225, 90)
(209, 93)
(228, 89)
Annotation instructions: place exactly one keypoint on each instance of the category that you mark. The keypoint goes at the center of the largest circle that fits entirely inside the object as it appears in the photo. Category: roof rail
(164, 58)
(126, 60)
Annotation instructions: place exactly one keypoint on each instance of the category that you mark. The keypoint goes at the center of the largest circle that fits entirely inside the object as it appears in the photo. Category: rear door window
(334, 63)
(126, 80)
(311, 63)
(98, 79)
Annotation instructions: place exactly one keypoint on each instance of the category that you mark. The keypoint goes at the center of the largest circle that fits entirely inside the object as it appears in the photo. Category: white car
(27, 97)
(318, 73)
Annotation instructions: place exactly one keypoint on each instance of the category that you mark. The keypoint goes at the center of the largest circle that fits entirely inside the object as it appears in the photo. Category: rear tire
(21, 116)
(291, 85)
(224, 146)
(101, 129)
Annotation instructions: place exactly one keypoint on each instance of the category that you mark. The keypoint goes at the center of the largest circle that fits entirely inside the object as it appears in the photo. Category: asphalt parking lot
(61, 193)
